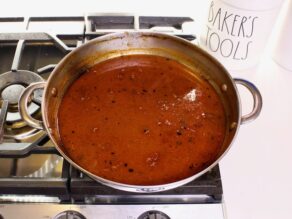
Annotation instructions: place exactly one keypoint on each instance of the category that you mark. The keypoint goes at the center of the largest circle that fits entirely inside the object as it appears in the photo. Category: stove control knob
(153, 215)
(69, 215)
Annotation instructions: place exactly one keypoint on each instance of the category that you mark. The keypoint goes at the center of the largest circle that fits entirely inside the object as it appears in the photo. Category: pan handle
(257, 100)
(22, 103)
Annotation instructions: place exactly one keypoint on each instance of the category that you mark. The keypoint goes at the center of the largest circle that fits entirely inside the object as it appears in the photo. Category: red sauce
(142, 120)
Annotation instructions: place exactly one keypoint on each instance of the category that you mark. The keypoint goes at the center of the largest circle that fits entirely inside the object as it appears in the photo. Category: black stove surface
(37, 44)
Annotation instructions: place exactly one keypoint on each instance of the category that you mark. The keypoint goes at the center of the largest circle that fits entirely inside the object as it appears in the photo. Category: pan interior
(74, 65)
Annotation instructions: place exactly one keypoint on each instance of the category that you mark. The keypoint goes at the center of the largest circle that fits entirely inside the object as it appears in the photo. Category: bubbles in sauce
(142, 120)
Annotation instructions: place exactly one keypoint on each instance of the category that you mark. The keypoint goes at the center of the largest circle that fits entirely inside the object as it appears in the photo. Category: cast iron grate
(30, 46)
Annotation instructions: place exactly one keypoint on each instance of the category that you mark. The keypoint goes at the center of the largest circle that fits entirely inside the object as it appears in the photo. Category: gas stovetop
(32, 171)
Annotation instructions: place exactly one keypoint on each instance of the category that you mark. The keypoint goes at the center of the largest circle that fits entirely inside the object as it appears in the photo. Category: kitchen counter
(256, 172)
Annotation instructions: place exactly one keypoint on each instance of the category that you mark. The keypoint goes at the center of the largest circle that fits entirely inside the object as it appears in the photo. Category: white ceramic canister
(236, 31)
(282, 52)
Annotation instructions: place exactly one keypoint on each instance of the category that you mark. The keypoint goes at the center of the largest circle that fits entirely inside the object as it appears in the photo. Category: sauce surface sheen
(141, 120)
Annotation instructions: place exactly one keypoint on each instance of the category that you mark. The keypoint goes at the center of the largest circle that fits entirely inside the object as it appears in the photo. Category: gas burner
(12, 93)
(12, 85)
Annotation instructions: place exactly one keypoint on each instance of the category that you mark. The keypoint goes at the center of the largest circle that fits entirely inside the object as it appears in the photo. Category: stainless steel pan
(120, 44)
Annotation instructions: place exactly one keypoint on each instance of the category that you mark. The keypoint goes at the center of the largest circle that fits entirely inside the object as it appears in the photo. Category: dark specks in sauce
(142, 120)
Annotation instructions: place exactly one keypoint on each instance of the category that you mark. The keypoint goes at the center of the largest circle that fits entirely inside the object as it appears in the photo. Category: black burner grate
(30, 46)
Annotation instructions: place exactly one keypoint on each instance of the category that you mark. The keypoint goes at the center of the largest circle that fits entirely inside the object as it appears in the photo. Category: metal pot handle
(257, 100)
(22, 103)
